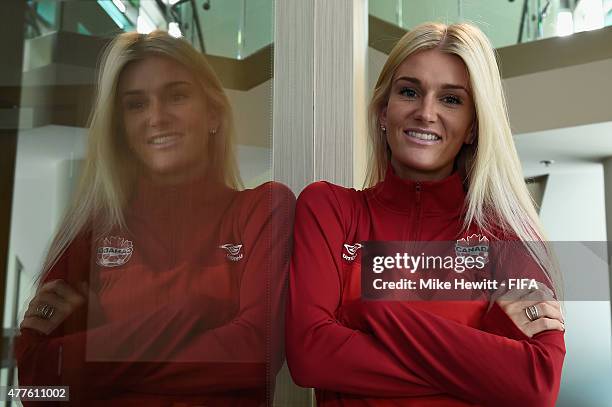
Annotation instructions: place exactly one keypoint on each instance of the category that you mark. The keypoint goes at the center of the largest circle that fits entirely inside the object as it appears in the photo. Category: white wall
(33, 221)
(573, 209)
(253, 119)
(43, 175)
(253, 114)
(255, 165)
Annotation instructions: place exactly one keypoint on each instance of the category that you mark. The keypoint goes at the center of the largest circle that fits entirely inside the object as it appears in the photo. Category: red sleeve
(321, 351)
(465, 362)
(239, 354)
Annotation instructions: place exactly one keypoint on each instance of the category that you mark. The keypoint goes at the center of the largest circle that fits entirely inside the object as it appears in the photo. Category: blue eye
(408, 92)
(452, 100)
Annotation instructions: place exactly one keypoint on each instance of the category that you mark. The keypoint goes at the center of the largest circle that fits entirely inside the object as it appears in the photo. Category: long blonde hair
(108, 175)
(497, 196)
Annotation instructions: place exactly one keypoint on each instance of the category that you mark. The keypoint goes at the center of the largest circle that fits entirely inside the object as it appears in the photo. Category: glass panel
(231, 28)
(505, 22)
(184, 281)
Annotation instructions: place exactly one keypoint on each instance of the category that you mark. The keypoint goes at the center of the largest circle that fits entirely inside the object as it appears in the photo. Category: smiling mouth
(163, 140)
(423, 136)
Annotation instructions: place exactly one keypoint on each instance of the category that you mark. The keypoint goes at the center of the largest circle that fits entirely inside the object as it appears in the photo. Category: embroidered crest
(474, 245)
(114, 251)
(233, 251)
(350, 251)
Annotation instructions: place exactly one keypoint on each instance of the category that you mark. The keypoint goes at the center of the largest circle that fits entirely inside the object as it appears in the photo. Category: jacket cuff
(497, 322)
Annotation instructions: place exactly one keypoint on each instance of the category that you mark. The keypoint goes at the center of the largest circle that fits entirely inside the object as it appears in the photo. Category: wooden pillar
(320, 80)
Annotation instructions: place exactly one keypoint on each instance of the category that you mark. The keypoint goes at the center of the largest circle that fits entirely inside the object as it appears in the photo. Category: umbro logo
(350, 251)
(234, 251)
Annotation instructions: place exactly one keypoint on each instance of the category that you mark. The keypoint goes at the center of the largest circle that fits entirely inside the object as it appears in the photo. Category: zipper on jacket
(416, 225)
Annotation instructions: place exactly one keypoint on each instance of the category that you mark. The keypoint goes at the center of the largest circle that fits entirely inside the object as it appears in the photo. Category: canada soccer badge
(114, 251)
(474, 245)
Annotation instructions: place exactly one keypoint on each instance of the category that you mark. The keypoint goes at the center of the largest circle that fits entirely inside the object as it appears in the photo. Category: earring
(212, 132)
(383, 128)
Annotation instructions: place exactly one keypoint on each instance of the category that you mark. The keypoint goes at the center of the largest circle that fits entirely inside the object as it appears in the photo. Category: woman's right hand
(53, 303)
(549, 314)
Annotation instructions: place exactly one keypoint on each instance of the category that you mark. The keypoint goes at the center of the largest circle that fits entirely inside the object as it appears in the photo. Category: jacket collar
(403, 195)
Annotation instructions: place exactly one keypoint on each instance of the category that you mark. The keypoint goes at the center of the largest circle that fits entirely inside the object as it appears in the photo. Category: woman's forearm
(463, 361)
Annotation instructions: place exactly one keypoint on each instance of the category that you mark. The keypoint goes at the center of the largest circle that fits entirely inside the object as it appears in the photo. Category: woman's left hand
(52, 304)
(532, 311)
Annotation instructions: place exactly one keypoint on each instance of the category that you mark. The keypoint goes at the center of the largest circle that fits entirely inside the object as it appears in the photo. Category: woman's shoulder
(324, 191)
(331, 204)
(272, 191)
(264, 200)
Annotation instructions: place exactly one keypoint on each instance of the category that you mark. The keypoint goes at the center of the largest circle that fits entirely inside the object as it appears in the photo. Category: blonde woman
(443, 168)
(162, 283)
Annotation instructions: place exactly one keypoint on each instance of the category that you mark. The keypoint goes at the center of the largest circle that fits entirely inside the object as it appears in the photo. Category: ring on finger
(45, 311)
(532, 312)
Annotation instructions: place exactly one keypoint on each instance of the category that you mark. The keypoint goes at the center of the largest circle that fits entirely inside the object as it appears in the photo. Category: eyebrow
(166, 86)
(444, 86)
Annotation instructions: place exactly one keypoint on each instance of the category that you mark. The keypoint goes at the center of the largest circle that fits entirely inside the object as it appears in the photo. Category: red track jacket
(186, 302)
(394, 353)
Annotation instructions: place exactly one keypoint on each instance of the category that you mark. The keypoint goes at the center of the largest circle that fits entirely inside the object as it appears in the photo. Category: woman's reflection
(165, 280)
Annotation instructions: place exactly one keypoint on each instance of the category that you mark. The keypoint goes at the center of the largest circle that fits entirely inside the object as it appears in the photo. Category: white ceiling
(572, 148)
